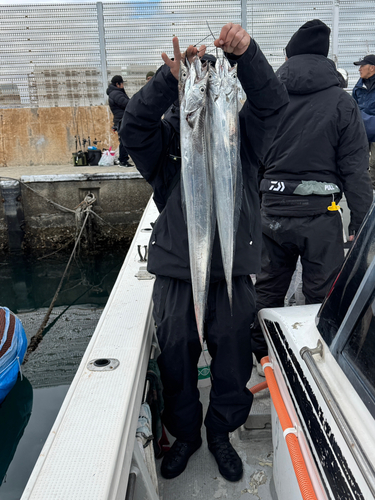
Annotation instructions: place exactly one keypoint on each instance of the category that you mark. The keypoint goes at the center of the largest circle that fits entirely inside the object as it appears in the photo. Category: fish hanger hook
(203, 39)
(217, 53)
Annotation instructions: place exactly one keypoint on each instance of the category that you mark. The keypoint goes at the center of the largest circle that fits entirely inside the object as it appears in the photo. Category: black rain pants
(123, 155)
(317, 239)
(229, 344)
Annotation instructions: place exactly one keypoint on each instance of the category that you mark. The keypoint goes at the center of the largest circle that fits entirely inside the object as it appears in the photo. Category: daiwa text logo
(277, 186)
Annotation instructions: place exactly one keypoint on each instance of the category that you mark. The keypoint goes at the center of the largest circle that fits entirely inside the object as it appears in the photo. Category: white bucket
(204, 368)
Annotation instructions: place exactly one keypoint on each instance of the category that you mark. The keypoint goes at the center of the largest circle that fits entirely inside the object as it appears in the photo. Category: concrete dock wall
(42, 213)
(46, 136)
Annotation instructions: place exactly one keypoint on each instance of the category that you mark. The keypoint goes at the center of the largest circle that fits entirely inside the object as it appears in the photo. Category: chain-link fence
(64, 54)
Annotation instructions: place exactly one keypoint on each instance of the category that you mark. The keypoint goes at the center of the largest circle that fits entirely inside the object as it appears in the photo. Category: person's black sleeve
(143, 132)
(266, 100)
(352, 161)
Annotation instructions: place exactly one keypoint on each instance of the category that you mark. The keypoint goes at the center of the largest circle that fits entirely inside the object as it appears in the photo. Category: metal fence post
(103, 55)
(244, 14)
(335, 30)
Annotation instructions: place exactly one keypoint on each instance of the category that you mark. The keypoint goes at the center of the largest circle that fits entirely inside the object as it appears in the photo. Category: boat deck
(201, 479)
(96, 426)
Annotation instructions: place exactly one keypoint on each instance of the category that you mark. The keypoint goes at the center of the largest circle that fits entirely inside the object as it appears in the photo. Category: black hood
(307, 73)
(112, 87)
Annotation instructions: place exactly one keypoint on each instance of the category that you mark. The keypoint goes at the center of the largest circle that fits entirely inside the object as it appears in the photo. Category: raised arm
(143, 132)
(145, 135)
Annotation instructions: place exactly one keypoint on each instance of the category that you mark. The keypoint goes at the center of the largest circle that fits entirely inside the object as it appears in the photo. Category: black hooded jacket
(321, 137)
(117, 100)
(153, 144)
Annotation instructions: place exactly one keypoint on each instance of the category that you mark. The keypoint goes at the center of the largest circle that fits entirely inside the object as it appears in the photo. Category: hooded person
(311, 38)
(118, 100)
(319, 153)
(151, 130)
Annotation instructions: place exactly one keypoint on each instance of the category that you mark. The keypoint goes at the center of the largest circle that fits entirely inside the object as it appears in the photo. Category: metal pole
(103, 55)
(244, 14)
(335, 30)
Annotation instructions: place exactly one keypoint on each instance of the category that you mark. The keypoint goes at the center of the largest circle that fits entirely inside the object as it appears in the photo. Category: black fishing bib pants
(318, 239)
(229, 343)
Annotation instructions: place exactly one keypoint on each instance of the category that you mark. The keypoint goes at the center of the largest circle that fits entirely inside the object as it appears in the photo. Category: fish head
(226, 67)
(200, 68)
(213, 83)
(183, 77)
(219, 67)
(230, 83)
(196, 96)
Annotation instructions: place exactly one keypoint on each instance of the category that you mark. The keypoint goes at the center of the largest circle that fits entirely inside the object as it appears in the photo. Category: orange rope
(258, 387)
(303, 478)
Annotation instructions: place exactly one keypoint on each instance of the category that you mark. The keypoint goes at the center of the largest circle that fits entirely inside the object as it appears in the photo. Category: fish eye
(201, 90)
(184, 74)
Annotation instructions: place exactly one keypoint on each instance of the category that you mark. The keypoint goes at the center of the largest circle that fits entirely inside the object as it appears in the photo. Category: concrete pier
(40, 206)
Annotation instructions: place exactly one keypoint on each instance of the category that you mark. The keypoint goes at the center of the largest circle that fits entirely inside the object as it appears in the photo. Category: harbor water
(28, 285)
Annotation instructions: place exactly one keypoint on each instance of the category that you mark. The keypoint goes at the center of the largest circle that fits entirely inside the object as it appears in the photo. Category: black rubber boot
(176, 459)
(228, 461)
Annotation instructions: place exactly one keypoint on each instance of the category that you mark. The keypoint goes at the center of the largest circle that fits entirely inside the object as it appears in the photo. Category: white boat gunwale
(105, 404)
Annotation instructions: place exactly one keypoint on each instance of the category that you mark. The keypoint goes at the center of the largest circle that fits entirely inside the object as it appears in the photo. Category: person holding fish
(170, 130)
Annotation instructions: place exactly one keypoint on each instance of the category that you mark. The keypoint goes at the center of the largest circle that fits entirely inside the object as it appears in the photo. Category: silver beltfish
(222, 130)
(196, 184)
(232, 90)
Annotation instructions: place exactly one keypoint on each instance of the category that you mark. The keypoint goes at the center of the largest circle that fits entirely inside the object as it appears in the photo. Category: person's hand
(233, 39)
(174, 65)
(351, 237)
(192, 51)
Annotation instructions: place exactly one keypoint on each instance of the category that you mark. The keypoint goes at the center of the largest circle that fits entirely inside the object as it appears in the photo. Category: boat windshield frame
(346, 319)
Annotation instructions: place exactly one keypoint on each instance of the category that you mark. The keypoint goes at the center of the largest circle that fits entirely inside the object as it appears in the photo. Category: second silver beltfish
(196, 183)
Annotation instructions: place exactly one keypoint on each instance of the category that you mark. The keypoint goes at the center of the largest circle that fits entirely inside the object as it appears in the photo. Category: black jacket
(117, 100)
(321, 137)
(154, 145)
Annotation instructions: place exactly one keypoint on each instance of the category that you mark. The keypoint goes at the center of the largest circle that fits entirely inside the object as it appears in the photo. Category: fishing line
(209, 45)
(217, 54)
(208, 26)
(212, 50)
(203, 40)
